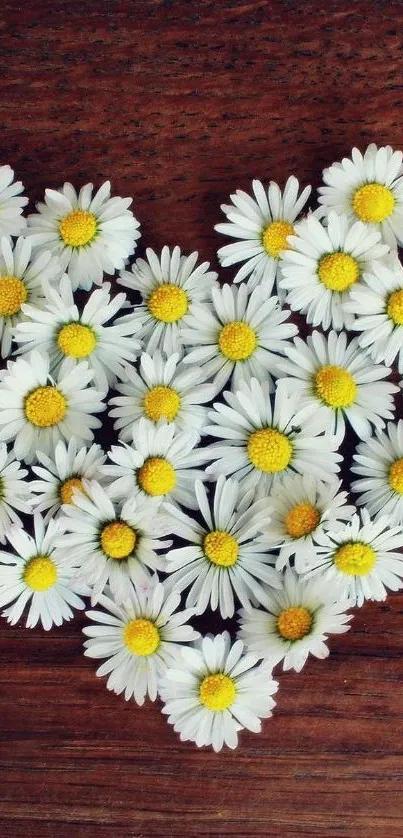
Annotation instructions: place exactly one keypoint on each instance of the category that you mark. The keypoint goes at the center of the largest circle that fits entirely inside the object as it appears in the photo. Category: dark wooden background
(179, 103)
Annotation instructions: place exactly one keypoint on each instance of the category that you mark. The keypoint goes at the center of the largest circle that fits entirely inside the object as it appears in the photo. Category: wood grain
(179, 103)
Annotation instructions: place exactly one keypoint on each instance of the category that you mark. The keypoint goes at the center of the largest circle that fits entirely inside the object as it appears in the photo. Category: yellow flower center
(13, 293)
(66, 489)
(395, 307)
(269, 450)
(45, 407)
(118, 540)
(373, 202)
(275, 237)
(161, 403)
(301, 520)
(335, 386)
(76, 340)
(294, 623)
(141, 637)
(217, 692)
(355, 558)
(396, 476)
(78, 228)
(338, 271)
(168, 303)
(221, 548)
(237, 341)
(40, 573)
(157, 476)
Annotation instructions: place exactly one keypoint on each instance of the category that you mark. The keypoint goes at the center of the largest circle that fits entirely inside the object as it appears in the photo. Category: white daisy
(161, 464)
(298, 507)
(11, 203)
(22, 278)
(163, 388)
(138, 640)
(223, 556)
(379, 464)
(14, 491)
(91, 235)
(328, 372)
(114, 543)
(37, 411)
(215, 691)
(296, 623)
(261, 225)
(377, 309)
(59, 328)
(369, 188)
(241, 335)
(63, 472)
(171, 286)
(36, 575)
(263, 438)
(362, 556)
(324, 263)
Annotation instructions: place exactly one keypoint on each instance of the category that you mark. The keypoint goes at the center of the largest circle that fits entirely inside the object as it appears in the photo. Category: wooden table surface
(178, 103)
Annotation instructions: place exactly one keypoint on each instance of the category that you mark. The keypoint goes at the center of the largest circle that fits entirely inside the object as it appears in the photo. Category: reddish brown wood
(179, 103)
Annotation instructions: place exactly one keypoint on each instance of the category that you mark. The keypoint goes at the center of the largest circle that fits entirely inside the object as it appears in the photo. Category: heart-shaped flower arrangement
(222, 490)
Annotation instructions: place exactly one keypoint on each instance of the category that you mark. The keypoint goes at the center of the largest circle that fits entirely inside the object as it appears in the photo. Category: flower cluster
(224, 489)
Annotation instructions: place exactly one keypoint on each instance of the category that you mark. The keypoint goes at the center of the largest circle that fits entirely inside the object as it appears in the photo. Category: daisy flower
(298, 507)
(369, 188)
(324, 263)
(63, 472)
(22, 279)
(14, 491)
(11, 203)
(163, 389)
(114, 544)
(215, 691)
(377, 309)
(328, 372)
(37, 411)
(91, 235)
(379, 464)
(138, 640)
(240, 335)
(57, 327)
(222, 557)
(296, 623)
(263, 438)
(36, 575)
(261, 225)
(171, 287)
(162, 463)
(362, 557)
